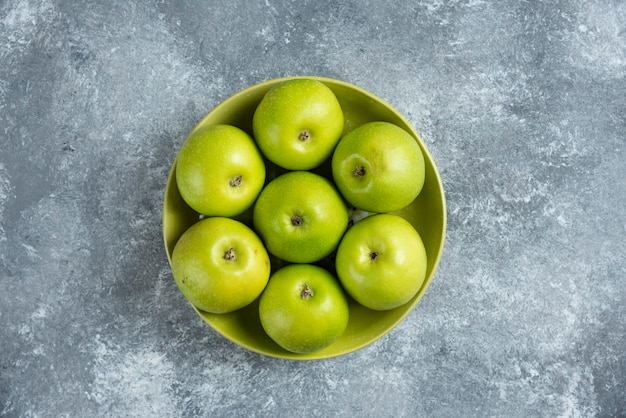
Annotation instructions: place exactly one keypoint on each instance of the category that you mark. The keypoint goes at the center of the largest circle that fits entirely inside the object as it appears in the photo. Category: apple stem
(304, 136)
(229, 255)
(359, 171)
(235, 181)
(307, 292)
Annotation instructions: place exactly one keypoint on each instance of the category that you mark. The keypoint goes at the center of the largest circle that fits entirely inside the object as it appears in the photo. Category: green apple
(298, 123)
(303, 308)
(381, 261)
(378, 167)
(220, 265)
(300, 216)
(220, 171)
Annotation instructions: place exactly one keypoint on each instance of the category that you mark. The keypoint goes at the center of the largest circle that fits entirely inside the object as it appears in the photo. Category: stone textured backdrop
(522, 105)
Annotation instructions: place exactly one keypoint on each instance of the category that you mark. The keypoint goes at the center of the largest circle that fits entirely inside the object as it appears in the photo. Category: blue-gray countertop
(521, 103)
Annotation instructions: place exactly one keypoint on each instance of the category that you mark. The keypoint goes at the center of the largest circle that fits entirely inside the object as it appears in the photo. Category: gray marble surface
(521, 103)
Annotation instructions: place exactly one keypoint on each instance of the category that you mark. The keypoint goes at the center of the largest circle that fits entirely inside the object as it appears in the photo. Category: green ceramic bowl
(427, 214)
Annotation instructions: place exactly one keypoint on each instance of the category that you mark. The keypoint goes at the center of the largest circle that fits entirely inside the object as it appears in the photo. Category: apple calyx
(230, 255)
(374, 256)
(304, 136)
(296, 220)
(235, 181)
(359, 171)
(307, 292)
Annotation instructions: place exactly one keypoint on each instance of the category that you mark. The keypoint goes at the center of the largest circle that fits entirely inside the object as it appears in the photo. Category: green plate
(427, 214)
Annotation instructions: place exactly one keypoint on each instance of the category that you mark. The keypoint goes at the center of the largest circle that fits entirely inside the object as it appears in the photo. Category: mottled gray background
(521, 103)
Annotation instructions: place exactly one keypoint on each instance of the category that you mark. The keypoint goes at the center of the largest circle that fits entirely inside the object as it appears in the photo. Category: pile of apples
(300, 217)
